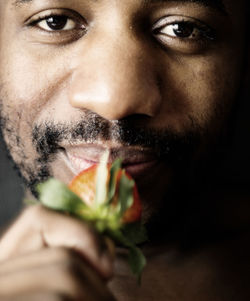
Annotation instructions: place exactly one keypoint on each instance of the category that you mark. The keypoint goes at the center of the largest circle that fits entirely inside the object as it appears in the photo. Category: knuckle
(90, 238)
(82, 238)
(83, 231)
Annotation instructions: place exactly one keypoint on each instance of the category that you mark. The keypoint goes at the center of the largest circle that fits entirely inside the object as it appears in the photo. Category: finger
(50, 296)
(39, 227)
(43, 257)
(37, 296)
(60, 271)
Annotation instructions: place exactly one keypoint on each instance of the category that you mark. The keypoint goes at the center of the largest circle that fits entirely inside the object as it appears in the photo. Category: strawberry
(84, 185)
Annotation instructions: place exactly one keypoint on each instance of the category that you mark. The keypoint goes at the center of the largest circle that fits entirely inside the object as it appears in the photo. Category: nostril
(136, 119)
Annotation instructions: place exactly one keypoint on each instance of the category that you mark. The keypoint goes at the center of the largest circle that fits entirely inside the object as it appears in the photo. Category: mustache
(164, 143)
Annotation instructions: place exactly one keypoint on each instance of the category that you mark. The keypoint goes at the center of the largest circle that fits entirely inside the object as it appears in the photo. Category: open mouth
(136, 161)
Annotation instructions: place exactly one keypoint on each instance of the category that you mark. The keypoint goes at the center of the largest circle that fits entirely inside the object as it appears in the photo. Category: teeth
(79, 164)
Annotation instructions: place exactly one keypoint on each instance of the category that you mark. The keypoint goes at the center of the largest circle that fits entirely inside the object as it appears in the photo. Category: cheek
(17, 97)
(27, 85)
(32, 79)
(195, 89)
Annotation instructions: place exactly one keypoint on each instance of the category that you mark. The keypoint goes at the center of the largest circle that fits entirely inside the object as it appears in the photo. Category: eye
(184, 30)
(56, 26)
(58, 20)
(56, 23)
(184, 34)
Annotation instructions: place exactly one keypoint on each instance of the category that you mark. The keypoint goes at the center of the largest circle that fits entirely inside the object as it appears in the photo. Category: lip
(136, 160)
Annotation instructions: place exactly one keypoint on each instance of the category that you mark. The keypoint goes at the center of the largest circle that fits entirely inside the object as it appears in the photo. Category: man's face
(152, 81)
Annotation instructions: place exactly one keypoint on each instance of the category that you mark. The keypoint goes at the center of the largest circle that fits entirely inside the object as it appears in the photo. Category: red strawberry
(84, 185)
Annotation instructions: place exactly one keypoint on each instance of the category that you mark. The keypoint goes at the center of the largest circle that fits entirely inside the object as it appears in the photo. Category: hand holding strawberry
(107, 198)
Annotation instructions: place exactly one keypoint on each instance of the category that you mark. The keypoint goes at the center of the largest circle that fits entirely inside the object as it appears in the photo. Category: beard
(173, 149)
(177, 151)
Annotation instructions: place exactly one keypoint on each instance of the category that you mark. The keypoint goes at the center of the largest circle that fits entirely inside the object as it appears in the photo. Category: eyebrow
(18, 2)
(215, 4)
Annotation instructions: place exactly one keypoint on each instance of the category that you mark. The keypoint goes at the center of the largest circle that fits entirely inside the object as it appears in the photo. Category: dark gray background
(11, 189)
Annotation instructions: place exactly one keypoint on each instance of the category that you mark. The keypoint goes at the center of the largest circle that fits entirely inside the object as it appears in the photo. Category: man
(152, 81)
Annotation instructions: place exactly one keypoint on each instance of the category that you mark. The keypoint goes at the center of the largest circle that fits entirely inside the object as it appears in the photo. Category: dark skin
(163, 65)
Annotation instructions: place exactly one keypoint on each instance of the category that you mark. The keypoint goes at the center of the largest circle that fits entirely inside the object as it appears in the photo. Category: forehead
(222, 5)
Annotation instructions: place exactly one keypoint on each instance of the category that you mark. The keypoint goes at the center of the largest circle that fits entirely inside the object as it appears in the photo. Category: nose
(115, 77)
